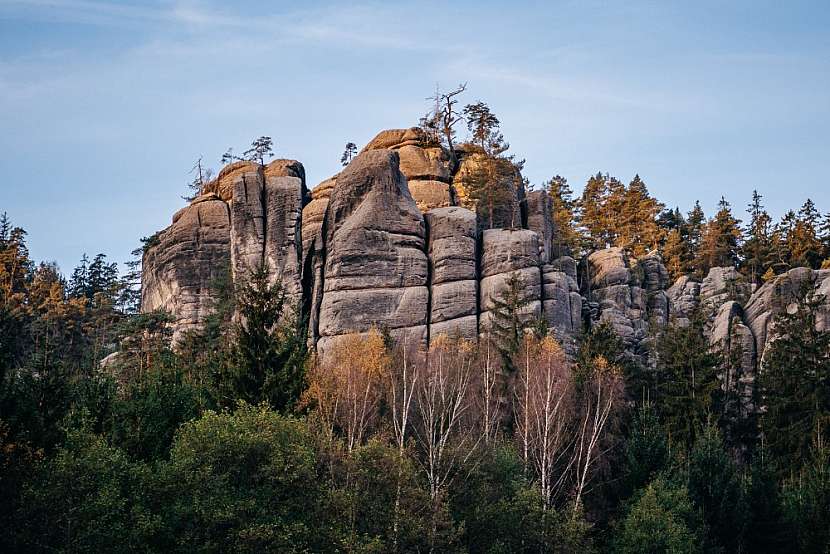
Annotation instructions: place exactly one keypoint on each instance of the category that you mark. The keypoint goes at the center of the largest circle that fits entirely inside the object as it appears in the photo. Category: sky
(105, 106)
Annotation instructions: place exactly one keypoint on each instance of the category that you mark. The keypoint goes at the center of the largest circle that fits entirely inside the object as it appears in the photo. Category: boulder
(430, 194)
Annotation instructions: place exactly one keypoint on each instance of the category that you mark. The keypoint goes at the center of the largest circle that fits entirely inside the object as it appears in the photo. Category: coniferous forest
(241, 440)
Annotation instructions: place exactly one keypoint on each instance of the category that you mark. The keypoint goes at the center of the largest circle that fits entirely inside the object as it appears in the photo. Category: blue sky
(104, 107)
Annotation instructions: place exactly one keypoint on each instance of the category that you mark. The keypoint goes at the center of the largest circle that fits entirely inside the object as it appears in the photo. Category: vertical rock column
(180, 271)
(375, 271)
(453, 284)
(505, 252)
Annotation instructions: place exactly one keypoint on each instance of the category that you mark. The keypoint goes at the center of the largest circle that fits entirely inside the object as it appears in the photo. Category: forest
(241, 440)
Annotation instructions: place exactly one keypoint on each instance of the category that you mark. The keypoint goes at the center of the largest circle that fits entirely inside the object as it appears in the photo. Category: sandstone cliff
(391, 242)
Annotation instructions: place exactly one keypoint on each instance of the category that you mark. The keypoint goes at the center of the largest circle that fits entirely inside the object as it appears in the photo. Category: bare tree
(201, 177)
(544, 406)
(347, 387)
(445, 116)
(446, 438)
(403, 378)
(602, 391)
(489, 387)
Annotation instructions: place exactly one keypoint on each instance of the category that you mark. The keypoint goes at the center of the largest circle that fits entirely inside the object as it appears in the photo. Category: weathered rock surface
(781, 294)
(375, 271)
(540, 219)
(684, 298)
(180, 271)
(506, 252)
(430, 194)
(453, 284)
(562, 303)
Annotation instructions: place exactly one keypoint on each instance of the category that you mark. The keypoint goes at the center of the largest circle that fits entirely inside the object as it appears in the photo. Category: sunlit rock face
(393, 242)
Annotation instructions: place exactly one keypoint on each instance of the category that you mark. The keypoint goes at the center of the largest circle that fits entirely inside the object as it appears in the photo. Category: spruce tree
(686, 380)
(795, 380)
(757, 241)
(267, 359)
(509, 317)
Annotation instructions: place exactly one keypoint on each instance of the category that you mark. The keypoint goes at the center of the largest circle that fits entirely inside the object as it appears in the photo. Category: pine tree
(484, 128)
(261, 148)
(757, 241)
(566, 237)
(720, 244)
(592, 210)
(484, 185)
(348, 153)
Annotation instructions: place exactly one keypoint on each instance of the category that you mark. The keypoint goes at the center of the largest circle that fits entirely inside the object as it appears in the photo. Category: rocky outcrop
(610, 282)
(425, 165)
(375, 270)
(781, 294)
(266, 219)
(508, 213)
(684, 298)
(183, 264)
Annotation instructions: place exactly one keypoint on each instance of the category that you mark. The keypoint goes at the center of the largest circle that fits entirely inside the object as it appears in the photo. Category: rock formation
(375, 271)
(392, 242)
(182, 263)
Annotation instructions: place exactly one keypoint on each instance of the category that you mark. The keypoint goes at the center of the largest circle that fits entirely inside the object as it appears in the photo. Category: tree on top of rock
(484, 128)
(639, 231)
(757, 242)
(348, 153)
(261, 148)
(201, 177)
(444, 117)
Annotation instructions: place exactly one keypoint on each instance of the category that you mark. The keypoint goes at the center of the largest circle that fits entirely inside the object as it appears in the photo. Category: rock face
(562, 303)
(507, 253)
(540, 219)
(266, 220)
(181, 269)
(375, 271)
(388, 242)
(453, 281)
(426, 166)
(781, 294)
